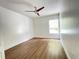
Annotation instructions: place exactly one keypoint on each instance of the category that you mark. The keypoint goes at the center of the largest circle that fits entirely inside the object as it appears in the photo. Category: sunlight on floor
(54, 47)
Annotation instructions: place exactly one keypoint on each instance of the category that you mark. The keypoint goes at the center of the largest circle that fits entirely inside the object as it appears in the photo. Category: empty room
(39, 29)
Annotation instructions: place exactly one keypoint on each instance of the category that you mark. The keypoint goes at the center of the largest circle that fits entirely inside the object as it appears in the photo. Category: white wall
(41, 26)
(14, 27)
(2, 55)
(70, 27)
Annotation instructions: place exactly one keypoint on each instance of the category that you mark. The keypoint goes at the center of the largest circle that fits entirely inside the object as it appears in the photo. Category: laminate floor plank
(37, 49)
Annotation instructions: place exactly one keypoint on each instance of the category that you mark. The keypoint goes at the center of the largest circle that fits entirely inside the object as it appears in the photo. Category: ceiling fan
(36, 11)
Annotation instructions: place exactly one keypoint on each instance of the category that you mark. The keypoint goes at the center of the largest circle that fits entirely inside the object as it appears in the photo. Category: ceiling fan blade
(40, 9)
(38, 14)
(29, 11)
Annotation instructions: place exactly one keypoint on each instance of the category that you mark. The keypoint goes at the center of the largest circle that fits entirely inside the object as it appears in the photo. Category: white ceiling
(20, 6)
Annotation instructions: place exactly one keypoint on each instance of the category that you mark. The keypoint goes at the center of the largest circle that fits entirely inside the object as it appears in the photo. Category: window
(53, 26)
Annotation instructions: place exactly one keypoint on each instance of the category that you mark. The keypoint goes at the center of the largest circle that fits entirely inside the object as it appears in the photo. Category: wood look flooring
(37, 49)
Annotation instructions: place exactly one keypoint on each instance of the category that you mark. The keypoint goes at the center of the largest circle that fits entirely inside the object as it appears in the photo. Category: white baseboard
(65, 49)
